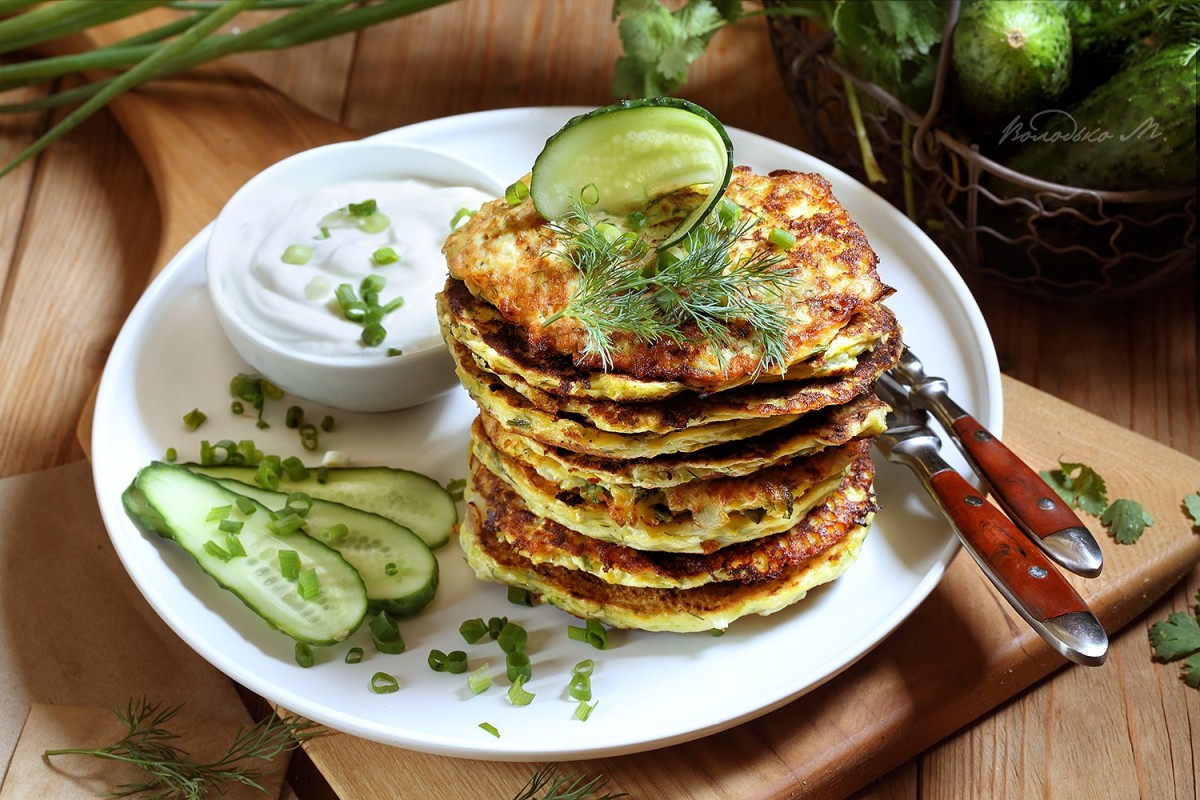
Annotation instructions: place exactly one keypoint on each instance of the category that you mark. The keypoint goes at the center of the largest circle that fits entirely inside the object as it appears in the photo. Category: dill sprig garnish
(559, 787)
(175, 774)
(697, 288)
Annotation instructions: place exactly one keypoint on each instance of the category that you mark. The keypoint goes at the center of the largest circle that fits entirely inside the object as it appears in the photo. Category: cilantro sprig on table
(1178, 636)
(1082, 487)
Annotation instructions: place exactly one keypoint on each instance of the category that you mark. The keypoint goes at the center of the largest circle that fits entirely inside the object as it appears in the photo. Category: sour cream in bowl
(324, 267)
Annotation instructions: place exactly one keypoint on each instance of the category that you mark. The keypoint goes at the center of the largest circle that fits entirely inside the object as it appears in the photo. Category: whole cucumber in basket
(1136, 131)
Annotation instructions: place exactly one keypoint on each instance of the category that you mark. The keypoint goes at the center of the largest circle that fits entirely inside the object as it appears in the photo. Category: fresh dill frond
(624, 286)
(560, 787)
(175, 774)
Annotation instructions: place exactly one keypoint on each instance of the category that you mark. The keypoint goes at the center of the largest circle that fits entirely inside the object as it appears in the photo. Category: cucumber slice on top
(634, 152)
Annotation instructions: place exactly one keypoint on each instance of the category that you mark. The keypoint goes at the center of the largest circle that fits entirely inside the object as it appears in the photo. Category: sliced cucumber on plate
(633, 153)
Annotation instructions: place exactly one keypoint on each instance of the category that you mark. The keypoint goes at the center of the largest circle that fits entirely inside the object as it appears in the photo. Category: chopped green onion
(234, 545)
(236, 407)
(297, 254)
(317, 288)
(323, 230)
(308, 585)
(385, 634)
(171, 455)
(285, 523)
(594, 634)
(436, 661)
(456, 662)
(383, 683)
(217, 513)
(373, 283)
(364, 209)
(289, 564)
(495, 625)
(490, 728)
(517, 665)
(327, 426)
(354, 655)
(345, 297)
(782, 239)
(322, 474)
(518, 695)
(385, 255)
(215, 550)
(636, 220)
(376, 223)
(473, 630)
(583, 711)
(194, 418)
(304, 655)
(230, 526)
(459, 216)
(334, 533)
(246, 505)
(512, 637)
(250, 454)
(585, 667)
(728, 212)
(589, 195)
(519, 596)
(308, 436)
(373, 334)
(394, 351)
(515, 193)
(456, 488)
(295, 469)
(580, 687)
(715, 632)
(393, 304)
(480, 680)
(267, 475)
(390, 569)
(293, 417)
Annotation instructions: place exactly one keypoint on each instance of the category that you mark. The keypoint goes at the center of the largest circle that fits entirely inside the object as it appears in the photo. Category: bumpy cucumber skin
(1123, 153)
(551, 210)
(140, 496)
(381, 593)
(1011, 56)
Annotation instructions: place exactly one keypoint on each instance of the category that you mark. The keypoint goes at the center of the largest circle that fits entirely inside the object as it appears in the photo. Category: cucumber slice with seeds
(176, 502)
(411, 499)
(399, 571)
(634, 152)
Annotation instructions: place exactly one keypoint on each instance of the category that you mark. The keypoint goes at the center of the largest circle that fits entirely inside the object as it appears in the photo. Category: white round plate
(653, 689)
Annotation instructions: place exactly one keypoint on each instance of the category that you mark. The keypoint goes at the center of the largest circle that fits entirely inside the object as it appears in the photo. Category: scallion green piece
(394, 351)
(518, 695)
(480, 680)
(309, 439)
(297, 254)
(383, 683)
(456, 488)
(354, 655)
(517, 666)
(386, 634)
(375, 223)
(495, 625)
(230, 526)
(267, 475)
(234, 545)
(473, 630)
(299, 503)
(236, 407)
(515, 193)
(393, 304)
(583, 711)
(364, 209)
(593, 633)
(293, 416)
(782, 239)
(512, 637)
(246, 505)
(334, 533)
(294, 468)
(218, 513)
(327, 423)
(304, 655)
(215, 550)
(308, 585)
(285, 523)
(636, 220)
(373, 334)
(171, 455)
(580, 687)
(385, 255)
(490, 728)
(459, 216)
(520, 596)
(289, 564)
(390, 568)
(194, 419)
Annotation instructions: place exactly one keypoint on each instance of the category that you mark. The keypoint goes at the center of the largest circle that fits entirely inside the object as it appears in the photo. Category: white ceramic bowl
(367, 381)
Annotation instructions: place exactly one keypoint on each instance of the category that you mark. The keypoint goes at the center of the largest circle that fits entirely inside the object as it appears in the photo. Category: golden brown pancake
(837, 536)
(543, 541)
(507, 256)
(863, 416)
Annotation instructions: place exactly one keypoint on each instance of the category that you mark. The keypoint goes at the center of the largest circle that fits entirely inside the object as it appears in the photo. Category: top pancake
(505, 256)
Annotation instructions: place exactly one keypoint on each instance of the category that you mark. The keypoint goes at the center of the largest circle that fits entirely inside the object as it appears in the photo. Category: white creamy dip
(293, 305)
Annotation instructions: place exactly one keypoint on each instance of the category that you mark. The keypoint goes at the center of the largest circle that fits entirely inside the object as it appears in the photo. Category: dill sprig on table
(173, 773)
(560, 787)
(191, 38)
(699, 288)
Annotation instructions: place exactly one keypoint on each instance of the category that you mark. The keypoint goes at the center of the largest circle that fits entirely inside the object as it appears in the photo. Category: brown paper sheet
(74, 631)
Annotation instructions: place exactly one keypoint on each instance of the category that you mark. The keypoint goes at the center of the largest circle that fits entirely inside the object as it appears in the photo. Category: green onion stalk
(201, 31)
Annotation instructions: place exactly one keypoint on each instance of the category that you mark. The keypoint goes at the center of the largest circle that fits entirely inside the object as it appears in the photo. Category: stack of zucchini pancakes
(670, 482)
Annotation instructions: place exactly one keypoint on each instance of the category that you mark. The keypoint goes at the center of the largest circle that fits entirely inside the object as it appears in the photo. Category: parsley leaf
(1191, 671)
(1191, 504)
(1085, 490)
(660, 44)
(1175, 637)
(1126, 520)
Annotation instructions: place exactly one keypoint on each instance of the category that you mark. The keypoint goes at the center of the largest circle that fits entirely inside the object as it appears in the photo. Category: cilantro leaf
(1191, 504)
(1079, 486)
(1175, 637)
(894, 44)
(1126, 520)
(660, 44)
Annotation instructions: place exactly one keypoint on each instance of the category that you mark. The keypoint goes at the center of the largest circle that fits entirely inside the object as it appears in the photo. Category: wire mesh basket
(1042, 238)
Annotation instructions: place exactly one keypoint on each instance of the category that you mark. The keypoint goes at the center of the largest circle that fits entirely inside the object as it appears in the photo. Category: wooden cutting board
(960, 654)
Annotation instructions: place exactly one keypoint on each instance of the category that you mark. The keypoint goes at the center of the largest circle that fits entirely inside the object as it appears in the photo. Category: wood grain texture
(1125, 730)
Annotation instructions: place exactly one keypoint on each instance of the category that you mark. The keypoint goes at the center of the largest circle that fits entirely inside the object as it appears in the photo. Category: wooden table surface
(79, 231)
